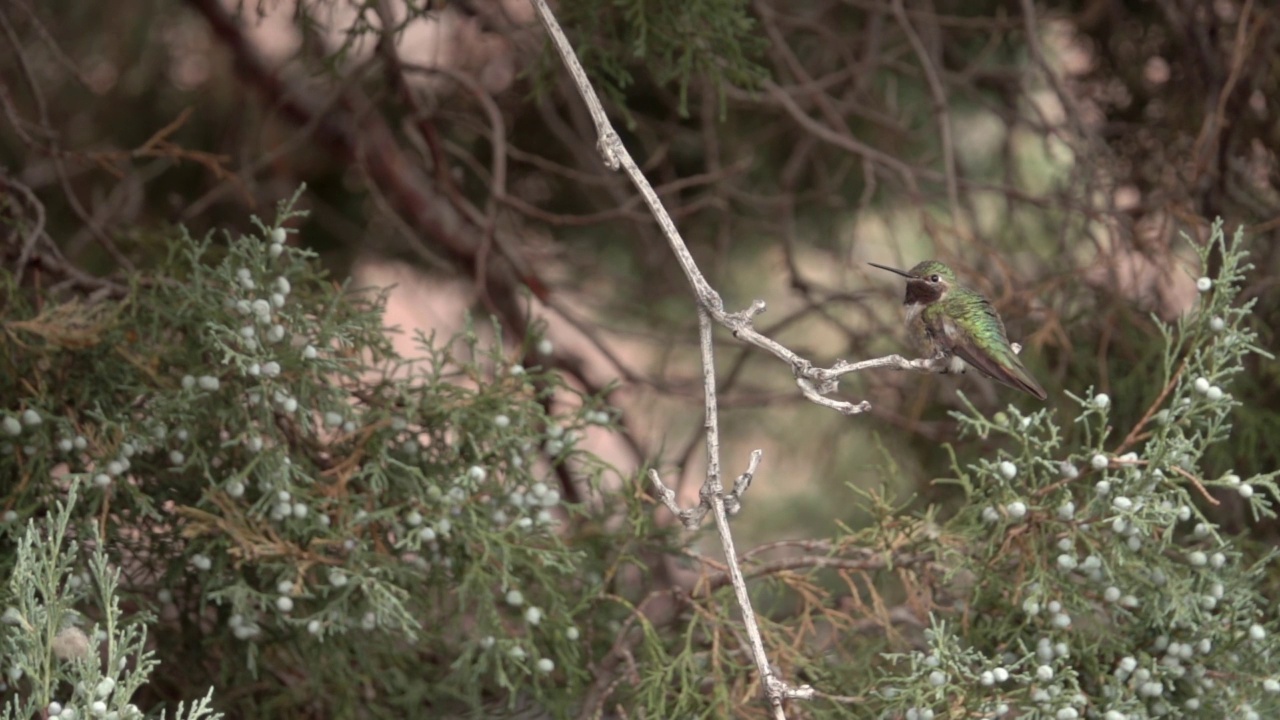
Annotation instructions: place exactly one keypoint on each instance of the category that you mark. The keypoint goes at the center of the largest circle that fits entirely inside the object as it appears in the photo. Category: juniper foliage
(282, 508)
(288, 498)
(48, 653)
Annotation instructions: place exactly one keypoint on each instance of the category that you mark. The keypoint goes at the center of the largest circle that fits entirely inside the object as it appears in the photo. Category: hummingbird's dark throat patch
(922, 292)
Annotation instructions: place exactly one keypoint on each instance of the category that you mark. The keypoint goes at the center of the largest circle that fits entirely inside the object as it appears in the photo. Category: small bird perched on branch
(946, 319)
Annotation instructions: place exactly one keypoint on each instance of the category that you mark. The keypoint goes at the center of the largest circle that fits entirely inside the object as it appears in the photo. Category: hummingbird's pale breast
(934, 334)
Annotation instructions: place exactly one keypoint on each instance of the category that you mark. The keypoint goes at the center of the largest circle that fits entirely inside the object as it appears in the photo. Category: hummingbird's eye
(934, 278)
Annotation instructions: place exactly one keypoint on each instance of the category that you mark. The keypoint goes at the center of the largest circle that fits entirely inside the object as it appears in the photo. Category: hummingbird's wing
(994, 358)
(1013, 374)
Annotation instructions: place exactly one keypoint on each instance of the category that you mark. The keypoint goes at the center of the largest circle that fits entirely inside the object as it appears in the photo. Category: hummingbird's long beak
(892, 270)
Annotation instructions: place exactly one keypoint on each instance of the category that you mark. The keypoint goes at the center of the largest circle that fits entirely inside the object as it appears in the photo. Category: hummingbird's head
(927, 282)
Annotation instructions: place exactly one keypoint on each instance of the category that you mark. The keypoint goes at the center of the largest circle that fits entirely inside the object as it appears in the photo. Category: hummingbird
(946, 319)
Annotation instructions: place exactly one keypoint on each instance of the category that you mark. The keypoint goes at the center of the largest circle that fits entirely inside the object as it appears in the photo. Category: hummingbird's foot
(950, 364)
